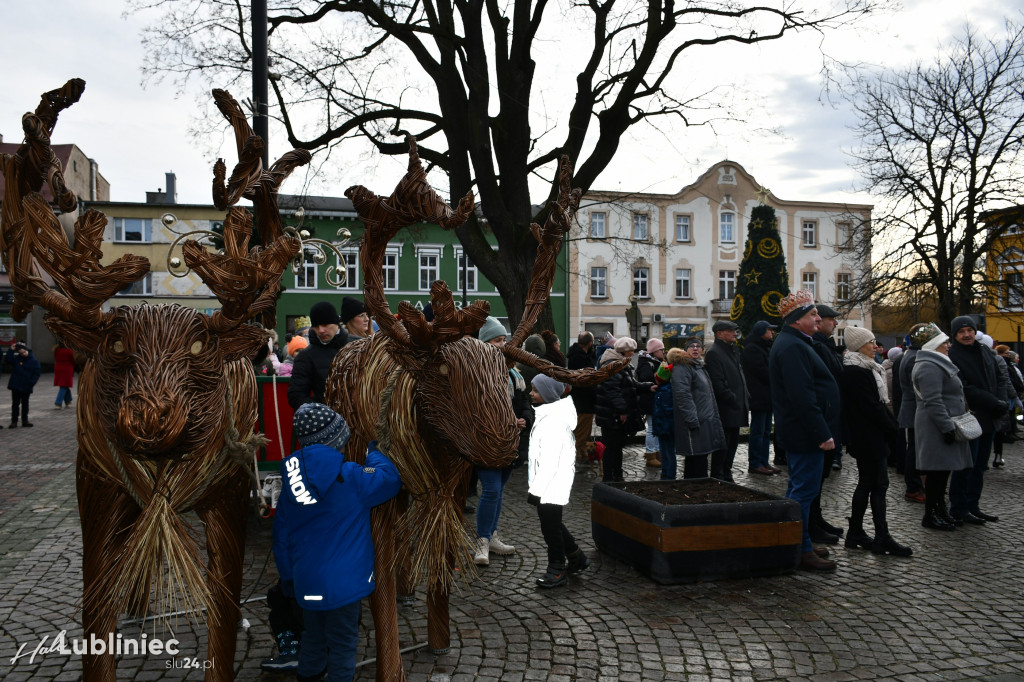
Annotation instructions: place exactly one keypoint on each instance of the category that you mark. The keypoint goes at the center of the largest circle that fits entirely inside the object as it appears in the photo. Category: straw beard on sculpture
(167, 399)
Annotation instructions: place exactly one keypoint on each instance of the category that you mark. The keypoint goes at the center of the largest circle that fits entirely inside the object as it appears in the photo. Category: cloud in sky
(136, 134)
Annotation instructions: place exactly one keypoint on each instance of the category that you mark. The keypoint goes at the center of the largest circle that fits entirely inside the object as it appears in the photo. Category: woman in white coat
(552, 468)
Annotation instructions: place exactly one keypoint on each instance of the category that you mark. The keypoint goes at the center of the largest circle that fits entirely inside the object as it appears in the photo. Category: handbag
(967, 427)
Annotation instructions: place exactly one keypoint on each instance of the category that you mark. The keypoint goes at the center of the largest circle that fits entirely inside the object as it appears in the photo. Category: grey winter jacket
(940, 396)
(697, 424)
(908, 405)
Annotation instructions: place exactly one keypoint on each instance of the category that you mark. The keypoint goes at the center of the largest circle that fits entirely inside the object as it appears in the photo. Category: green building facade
(417, 256)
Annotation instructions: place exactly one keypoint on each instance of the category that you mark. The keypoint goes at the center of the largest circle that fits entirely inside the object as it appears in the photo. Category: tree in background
(495, 92)
(763, 278)
(940, 145)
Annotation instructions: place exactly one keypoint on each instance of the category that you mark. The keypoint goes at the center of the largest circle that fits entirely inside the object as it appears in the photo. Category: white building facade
(679, 254)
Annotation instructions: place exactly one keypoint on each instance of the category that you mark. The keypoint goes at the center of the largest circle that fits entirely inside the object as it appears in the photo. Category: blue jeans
(965, 485)
(63, 396)
(329, 640)
(488, 509)
(668, 457)
(760, 437)
(651, 441)
(804, 484)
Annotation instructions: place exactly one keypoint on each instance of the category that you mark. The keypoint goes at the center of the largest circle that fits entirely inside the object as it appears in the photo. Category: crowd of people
(936, 408)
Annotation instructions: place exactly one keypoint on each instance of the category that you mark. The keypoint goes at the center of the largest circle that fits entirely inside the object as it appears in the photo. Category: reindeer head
(159, 371)
(462, 388)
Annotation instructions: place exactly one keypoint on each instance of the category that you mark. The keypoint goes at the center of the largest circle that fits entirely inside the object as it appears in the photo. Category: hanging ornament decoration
(768, 248)
(737, 307)
(748, 248)
(752, 276)
(770, 303)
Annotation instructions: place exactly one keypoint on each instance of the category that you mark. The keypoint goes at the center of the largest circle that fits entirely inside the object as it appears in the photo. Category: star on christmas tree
(752, 276)
(762, 195)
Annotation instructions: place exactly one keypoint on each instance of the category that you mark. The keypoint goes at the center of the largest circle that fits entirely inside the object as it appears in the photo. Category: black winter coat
(616, 395)
(722, 362)
(754, 361)
(583, 397)
(984, 386)
(312, 366)
(805, 396)
(646, 366)
(871, 426)
(825, 347)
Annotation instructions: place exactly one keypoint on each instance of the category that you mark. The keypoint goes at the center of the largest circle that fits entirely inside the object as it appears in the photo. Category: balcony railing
(721, 307)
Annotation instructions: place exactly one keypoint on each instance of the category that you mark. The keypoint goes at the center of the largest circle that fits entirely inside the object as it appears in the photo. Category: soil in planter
(697, 491)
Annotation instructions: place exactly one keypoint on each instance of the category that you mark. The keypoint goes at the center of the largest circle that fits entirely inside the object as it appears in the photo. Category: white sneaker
(499, 547)
(481, 557)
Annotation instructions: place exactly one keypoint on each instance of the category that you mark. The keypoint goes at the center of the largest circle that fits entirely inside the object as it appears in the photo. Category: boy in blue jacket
(322, 542)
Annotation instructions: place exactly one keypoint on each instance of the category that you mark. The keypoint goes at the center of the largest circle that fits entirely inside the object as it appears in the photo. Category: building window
(305, 278)
(726, 284)
(391, 270)
(727, 228)
(640, 278)
(844, 235)
(144, 287)
(809, 282)
(597, 225)
(682, 228)
(1014, 290)
(598, 280)
(132, 230)
(430, 268)
(682, 282)
(842, 287)
(467, 268)
(810, 233)
(640, 227)
(350, 268)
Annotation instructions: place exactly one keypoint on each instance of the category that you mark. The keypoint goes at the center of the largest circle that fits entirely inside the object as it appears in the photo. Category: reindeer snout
(150, 425)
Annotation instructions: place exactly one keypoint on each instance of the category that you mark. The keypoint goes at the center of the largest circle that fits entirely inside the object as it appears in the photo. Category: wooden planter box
(702, 539)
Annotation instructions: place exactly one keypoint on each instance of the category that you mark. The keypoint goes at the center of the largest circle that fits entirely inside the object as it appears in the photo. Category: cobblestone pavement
(952, 611)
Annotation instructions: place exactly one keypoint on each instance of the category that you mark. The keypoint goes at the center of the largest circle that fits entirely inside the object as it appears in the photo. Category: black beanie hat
(959, 323)
(323, 313)
(350, 307)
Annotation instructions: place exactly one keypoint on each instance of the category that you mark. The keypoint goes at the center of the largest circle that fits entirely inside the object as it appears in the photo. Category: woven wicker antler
(413, 200)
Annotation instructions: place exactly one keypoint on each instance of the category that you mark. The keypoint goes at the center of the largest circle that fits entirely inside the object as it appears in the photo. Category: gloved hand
(949, 437)
(372, 445)
(694, 429)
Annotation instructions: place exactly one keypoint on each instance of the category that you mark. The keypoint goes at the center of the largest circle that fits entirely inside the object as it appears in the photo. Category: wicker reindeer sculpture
(167, 400)
(437, 400)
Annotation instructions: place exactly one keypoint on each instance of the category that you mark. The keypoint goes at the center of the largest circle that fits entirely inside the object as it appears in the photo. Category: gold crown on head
(302, 322)
(794, 300)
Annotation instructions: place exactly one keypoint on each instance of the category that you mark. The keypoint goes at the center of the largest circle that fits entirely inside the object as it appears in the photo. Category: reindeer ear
(73, 335)
(242, 342)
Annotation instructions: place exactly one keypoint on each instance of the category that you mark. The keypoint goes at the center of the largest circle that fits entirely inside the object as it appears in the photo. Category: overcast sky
(137, 134)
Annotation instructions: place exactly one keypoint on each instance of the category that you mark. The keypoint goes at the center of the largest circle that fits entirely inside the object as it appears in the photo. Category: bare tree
(463, 77)
(940, 144)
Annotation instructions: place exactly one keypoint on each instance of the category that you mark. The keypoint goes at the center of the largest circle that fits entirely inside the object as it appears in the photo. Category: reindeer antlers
(413, 200)
(248, 178)
(31, 236)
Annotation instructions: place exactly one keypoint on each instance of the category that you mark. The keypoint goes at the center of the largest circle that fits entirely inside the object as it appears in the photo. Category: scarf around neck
(856, 359)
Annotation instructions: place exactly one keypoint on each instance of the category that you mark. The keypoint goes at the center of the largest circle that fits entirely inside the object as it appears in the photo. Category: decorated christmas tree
(763, 278)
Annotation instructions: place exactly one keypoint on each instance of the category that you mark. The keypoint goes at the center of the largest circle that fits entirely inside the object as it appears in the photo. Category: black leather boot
(884, 544)
(578, 561)
(943, 511)
(933, 520)
(856, 538)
